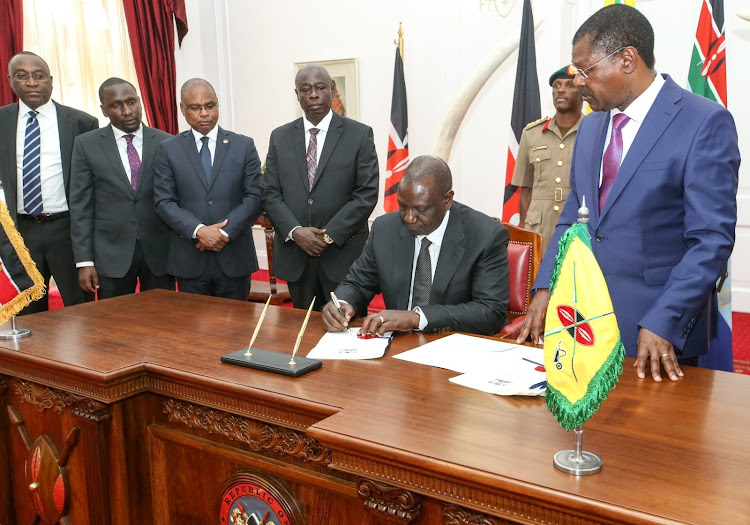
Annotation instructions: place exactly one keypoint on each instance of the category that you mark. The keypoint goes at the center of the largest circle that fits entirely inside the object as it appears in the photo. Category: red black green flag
(398, 137)
(527, 107)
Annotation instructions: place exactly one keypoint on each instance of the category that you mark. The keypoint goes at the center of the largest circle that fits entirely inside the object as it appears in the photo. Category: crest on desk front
(251, 499)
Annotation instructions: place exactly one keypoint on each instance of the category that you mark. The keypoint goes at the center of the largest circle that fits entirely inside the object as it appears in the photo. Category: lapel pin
(226, 141)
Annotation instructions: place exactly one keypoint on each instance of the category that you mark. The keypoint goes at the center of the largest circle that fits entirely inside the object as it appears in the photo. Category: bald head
(194, 83)
(429, 168)
(425, 195)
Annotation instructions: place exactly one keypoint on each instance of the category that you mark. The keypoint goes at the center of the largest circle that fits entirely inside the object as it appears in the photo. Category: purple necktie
(134, 160)
(312, 156)
(612, 158)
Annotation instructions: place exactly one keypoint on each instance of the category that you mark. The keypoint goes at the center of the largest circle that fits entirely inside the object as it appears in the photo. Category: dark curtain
(151, 30)
(11, 42)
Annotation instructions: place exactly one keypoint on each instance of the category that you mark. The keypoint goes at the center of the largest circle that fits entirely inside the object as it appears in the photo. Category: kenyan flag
(708, 71)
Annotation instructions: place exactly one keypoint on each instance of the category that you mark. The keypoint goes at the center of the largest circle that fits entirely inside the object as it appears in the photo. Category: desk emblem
(250, 499)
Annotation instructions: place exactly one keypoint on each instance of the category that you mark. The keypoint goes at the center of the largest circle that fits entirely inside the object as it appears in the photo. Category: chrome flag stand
(577, 461)
(14, 333)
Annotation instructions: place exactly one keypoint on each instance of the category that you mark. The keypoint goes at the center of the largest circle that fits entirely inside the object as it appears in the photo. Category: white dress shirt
(322, 126)
(122, 147)
(436, 238)
(50, 161)
(212, 136)
(637, 111)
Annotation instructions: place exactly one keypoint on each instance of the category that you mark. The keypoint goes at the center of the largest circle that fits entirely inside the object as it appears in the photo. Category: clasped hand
(310, 240)
(210, 237)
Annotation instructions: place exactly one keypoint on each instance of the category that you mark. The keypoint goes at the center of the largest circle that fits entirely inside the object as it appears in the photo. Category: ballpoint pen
(337, 304)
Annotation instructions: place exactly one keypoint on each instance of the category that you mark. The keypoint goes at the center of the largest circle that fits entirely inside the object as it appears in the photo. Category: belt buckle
(558, 195)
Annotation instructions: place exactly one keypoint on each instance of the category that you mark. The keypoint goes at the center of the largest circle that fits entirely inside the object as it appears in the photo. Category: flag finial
(583, 212)
(400, 41)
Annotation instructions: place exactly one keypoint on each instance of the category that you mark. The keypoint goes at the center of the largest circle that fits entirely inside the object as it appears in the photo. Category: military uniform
(543, 164)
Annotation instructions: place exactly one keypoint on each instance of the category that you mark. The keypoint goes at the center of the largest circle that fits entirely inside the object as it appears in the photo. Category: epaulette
(536, 122)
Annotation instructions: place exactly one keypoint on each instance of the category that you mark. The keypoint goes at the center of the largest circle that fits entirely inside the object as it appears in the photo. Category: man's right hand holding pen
(337, 314)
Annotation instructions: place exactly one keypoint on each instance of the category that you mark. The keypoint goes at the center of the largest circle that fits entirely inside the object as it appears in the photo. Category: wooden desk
(163, 424)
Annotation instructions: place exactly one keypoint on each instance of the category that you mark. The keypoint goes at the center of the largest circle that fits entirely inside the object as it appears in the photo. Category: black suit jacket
(106, 214)
(70, 123)
(342, 198)
(471, 287)
(184, 199)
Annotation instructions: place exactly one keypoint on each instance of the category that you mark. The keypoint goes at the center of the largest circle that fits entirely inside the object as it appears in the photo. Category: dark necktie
(206, 158)
(612, 158)
(134, 160)
(422, 276)
(312, 156)
(32, 171)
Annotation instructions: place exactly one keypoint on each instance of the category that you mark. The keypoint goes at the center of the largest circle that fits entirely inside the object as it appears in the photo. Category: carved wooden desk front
(131, 408)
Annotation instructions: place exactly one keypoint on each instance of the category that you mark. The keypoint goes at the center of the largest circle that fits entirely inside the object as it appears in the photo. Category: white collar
(212, 135)
(120, 133)
(323, 125)
(639, 108)
(436, 236)
(45, 109)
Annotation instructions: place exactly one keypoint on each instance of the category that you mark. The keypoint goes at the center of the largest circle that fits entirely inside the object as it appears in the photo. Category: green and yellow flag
(583, 353)
(631, 3)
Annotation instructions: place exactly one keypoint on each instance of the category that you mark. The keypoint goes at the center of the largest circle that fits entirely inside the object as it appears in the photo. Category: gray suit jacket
(471, 288)
(184, 199)
(70, 122)
(106, 215)
(344, 193)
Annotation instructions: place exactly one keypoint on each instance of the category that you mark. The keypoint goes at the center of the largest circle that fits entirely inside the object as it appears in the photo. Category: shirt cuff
(289, 237)
(422, 319)
(225, 234)
(84, 264)
(195, 232)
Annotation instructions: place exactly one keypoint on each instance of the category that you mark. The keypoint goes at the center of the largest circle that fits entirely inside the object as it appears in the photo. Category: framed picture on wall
(346, 91)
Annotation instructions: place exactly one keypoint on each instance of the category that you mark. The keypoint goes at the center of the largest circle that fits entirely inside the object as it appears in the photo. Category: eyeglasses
(195, 108)
(584, 72)
(24, 77)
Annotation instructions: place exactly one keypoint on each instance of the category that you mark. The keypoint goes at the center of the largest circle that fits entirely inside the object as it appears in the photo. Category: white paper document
(488, 365)
(347, 345)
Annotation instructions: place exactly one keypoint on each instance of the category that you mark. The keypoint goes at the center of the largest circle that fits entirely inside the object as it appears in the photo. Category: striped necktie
(32, 172)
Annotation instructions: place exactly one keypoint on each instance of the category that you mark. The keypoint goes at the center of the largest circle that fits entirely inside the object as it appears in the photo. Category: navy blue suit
(667, 228)
(184, 199)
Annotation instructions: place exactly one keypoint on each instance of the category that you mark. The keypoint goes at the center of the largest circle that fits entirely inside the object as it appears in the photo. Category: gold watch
(327, 238)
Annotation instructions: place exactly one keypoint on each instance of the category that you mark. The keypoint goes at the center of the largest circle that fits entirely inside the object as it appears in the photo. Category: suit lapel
(109, 146)
(150, 145)
(596, 166)
(451, 254)
(66, 128)
(8, 129)
(658, 118)
(300, 151)
(403, 262)
(191, 150)
(332, 137)
(222, 145)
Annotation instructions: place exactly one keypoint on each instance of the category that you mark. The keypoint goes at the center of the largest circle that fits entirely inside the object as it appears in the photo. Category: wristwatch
(327, 238)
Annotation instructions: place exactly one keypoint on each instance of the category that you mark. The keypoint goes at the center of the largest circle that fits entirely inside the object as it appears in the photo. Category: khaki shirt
(543, 164)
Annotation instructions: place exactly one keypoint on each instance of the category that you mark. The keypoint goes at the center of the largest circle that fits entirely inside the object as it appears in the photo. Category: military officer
(543, 164)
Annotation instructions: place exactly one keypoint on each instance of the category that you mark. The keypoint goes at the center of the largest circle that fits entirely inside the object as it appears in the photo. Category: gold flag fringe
(38, 289)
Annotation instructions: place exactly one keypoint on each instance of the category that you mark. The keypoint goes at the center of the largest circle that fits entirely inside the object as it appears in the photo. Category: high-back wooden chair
(259, 290)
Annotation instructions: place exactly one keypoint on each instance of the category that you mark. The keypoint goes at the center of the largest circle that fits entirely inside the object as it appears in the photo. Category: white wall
(248, 50)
